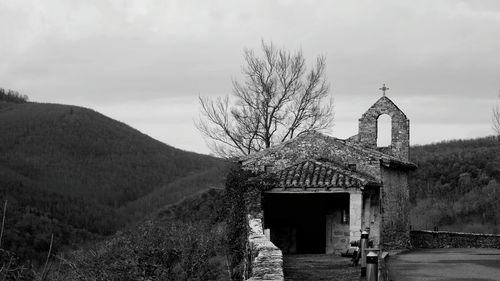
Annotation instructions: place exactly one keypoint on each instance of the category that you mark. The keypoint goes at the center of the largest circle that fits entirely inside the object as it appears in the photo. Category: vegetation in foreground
(186, 241)
(202, 238)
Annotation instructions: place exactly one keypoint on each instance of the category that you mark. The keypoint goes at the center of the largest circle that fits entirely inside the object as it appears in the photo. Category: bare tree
(279, 99)
(496, 119)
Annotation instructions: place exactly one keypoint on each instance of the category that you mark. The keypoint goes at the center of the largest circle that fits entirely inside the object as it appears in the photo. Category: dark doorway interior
(298, 220)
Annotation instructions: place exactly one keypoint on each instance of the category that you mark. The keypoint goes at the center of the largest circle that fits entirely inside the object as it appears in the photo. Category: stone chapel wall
(400, 132)
(394, 196)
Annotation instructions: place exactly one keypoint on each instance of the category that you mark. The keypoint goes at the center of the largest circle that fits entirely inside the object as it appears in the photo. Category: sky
(145, 63)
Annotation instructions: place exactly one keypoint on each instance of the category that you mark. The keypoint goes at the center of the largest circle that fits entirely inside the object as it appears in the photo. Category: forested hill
(78, 174)
(456, 186)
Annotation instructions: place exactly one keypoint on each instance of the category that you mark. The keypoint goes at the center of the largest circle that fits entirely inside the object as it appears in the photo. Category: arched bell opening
(384, 130)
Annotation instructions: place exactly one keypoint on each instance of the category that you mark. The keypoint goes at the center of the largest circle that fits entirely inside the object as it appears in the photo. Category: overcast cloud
(146, 62)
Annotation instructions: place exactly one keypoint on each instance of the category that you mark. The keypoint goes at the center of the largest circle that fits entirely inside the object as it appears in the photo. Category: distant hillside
(175, 191)
(78, 174)
(76, 151)
(456, 186)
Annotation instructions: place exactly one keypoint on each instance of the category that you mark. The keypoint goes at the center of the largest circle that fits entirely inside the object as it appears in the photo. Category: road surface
(446, 265)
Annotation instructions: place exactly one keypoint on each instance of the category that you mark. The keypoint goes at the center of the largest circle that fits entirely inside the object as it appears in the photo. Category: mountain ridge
(72, 171)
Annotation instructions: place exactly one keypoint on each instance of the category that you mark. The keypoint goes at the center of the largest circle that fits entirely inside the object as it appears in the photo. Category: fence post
(363, 246)
(372, 266)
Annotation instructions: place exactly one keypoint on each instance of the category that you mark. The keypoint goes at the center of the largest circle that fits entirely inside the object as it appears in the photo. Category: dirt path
(319, 268)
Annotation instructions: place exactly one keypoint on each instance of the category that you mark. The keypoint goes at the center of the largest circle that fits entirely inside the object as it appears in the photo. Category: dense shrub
(243, 197)
(175, 251)
(237, 231)
(13, 268)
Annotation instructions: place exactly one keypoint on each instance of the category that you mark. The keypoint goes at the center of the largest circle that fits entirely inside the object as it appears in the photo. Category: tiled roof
(316, 174)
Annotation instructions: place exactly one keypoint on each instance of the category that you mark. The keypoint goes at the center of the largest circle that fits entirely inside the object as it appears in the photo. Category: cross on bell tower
(383, 89)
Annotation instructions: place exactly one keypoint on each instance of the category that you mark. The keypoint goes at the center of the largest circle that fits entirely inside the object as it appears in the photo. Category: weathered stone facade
(395, 196)
(266, 260)
(400, 139)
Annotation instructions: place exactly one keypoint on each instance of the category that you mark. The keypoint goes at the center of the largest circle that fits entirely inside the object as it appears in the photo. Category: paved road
(446, 265)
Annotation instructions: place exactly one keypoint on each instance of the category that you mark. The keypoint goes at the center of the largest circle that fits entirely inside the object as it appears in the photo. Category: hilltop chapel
(327, 190)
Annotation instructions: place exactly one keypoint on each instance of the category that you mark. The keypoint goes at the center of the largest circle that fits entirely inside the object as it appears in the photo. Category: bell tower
(400, 131)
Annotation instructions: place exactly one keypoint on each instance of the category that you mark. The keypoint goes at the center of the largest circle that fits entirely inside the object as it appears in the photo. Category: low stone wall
(445, 239)
(266, 260)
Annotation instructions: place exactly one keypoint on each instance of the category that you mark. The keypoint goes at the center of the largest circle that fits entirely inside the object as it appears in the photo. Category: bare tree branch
(3, 221)
(277, 100)
(496, 120)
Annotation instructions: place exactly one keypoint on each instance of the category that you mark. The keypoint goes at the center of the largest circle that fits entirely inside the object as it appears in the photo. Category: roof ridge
(312, 137)
(360, 147)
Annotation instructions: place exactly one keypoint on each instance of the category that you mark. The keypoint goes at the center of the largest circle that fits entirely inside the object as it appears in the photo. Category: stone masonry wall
(266, 260)
(394, 210)
(355, 215)
(400, 140)
(445, 239)
(371, 216)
